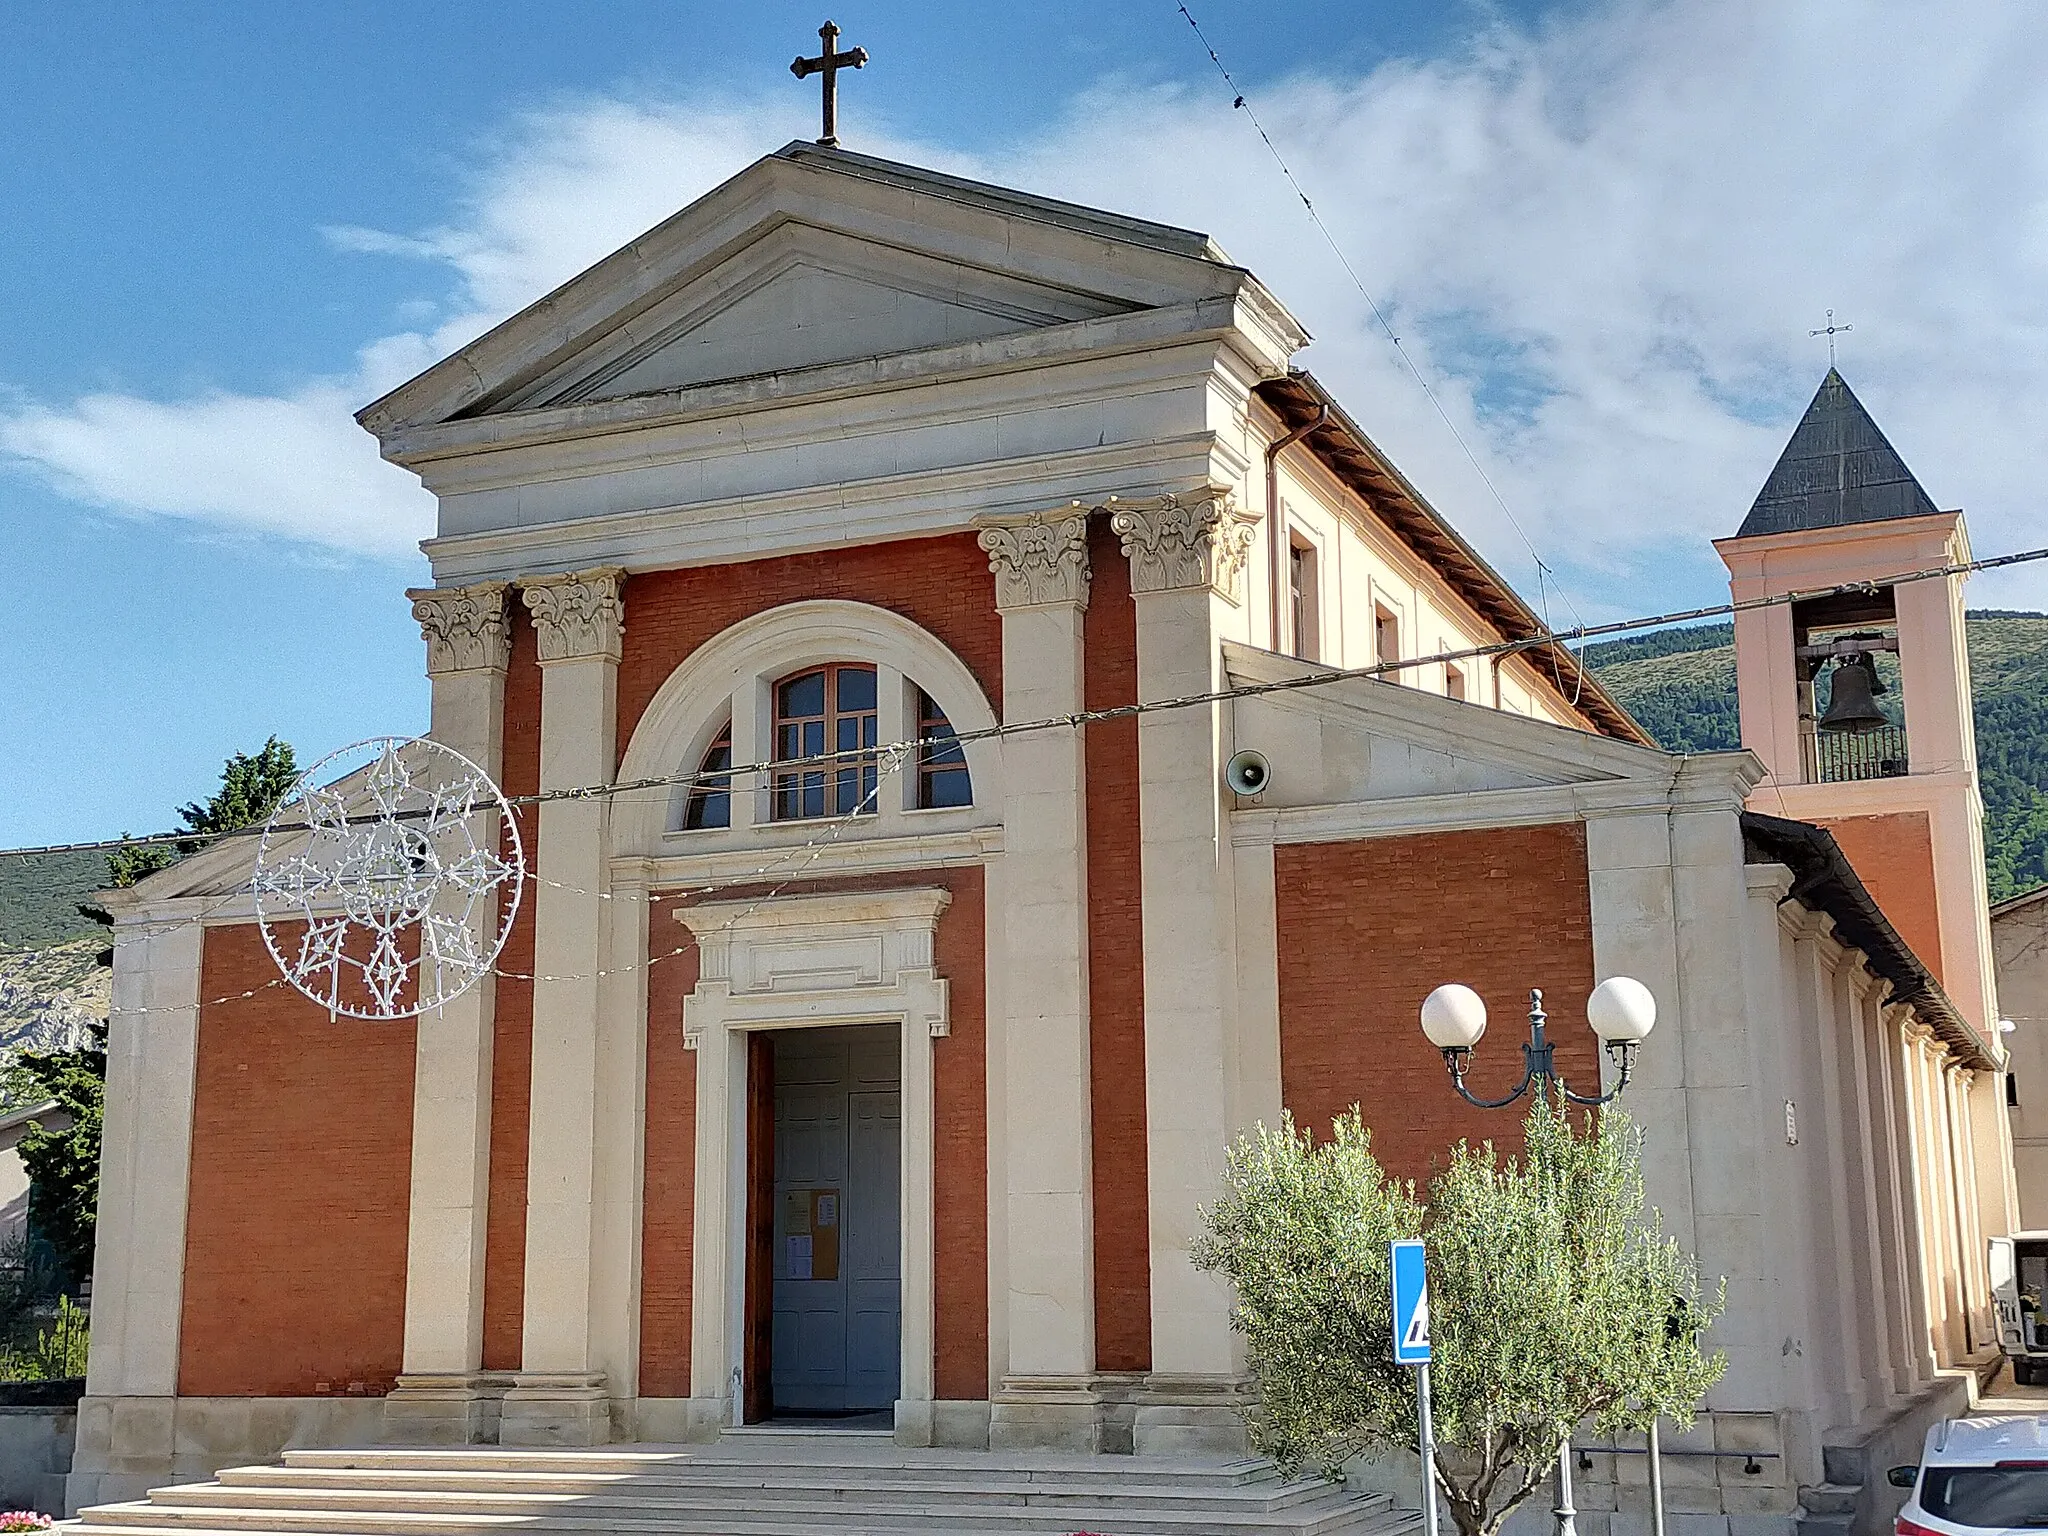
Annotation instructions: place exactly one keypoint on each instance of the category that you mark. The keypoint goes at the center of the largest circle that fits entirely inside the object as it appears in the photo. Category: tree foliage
(250, 787)
(64, 1165)
(1555, 1299)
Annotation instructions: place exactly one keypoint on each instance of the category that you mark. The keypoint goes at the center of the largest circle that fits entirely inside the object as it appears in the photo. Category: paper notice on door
(796, 1210)
(800, 1257)
(828, 1209)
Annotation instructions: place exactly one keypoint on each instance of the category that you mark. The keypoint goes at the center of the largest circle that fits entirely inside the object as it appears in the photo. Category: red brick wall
(1893, 855)
(942, 584)
(1116, 976)
(960, 1153)
(512, 1033)
(1368, 928)
(300, 1188)
(668, 1200)
(960, 1150)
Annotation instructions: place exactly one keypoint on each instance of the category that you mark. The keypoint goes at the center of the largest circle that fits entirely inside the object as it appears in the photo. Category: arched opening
(826, 722)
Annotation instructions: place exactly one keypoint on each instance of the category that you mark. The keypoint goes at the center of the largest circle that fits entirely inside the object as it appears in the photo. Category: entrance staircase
(782, 1485)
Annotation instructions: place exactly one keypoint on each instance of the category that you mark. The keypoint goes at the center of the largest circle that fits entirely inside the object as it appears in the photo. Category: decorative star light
(387, 880)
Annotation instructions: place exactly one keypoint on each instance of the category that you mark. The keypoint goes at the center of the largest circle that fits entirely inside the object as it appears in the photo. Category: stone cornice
(1179, 542)
(464, 627)
(1040, 560)
(578, 615)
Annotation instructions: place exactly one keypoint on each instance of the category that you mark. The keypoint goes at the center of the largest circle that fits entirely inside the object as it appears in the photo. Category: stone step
(1341, 1517)
(726, 1486)
(779, 1459)
(749, 1486)
(89, 1524)
(1830, 1498)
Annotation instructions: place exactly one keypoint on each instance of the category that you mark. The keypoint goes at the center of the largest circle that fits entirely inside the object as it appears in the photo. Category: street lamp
(1622, 1013)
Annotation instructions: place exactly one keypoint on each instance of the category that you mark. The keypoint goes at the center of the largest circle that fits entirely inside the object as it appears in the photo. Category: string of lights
(1319, 677)
(889, 765)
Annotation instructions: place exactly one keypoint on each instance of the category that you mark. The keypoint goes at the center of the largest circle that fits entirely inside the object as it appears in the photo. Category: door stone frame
(807, 962)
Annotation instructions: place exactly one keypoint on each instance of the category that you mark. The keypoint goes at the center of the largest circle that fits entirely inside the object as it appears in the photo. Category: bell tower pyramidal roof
(1837, 469)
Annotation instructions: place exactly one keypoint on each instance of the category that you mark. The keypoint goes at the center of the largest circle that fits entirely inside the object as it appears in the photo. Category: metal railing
(1833, 757)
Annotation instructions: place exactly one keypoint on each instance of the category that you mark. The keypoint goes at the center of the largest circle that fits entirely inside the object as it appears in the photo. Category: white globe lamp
(1453, 1017)
(1621, 1011)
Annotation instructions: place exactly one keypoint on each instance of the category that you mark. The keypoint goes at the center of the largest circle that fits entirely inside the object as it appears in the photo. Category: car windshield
(2007, 1494)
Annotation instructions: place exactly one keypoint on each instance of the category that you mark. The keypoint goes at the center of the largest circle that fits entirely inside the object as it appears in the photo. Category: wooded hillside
(1680, 683)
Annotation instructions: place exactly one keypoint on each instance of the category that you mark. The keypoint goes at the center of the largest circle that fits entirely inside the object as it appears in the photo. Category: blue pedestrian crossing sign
(1411, 1304)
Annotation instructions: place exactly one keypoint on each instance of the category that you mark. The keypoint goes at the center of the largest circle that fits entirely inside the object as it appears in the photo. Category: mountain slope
(1680, 683)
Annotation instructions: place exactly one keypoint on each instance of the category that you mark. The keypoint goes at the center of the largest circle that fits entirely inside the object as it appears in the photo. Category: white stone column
(443, 1396)
(125, 1423)
(1187, 559)
(1901, 1190)
(560, 1397)
(1046, 1394)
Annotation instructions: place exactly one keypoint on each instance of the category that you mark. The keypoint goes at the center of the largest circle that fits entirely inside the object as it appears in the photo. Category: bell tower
(1859, 701)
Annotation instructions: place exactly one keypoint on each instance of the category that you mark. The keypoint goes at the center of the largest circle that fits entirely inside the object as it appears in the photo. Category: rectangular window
(827, 721)
(941, 761)
(1454, 681)
(1386, 640)
(1304, 594)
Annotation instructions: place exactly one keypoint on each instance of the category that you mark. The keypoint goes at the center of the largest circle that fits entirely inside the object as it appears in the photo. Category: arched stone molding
(797, 962)
(732, 677)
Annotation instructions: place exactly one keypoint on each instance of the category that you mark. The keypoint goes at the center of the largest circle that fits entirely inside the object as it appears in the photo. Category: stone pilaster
(560, 1396)
(443, 1396)
(1187, 558)
(1046, 1396)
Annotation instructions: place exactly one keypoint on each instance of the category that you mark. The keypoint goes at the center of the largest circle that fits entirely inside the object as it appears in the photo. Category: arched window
(710, 803)
(826, 710)
(942, 778)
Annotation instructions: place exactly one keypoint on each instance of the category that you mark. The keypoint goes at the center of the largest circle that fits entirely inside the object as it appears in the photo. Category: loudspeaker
(1248, 773)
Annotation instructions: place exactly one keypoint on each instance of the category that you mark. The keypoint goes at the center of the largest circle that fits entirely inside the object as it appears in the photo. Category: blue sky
(1603, 229)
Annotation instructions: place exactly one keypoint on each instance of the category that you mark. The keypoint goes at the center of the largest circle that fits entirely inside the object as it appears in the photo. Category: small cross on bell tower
(829, 63)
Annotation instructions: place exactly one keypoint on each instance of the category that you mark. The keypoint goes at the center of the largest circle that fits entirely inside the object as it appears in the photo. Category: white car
(1978, 1475)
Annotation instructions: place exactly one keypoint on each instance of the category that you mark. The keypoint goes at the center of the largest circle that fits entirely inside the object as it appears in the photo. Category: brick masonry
(1368, 928)
(300, 1187)
(940, 583)
(1893, 855)
(512, 1032)
(1116, 972)
(669, 1191)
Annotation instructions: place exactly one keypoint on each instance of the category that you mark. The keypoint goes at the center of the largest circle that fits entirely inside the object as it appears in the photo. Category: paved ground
(2004, 1396)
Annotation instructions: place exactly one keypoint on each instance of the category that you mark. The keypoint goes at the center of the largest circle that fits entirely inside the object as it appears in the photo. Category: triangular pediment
(815, 257)
(800, 297)
(1358, 740)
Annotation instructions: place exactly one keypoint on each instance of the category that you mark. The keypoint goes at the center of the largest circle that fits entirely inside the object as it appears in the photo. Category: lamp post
(1622, 1013)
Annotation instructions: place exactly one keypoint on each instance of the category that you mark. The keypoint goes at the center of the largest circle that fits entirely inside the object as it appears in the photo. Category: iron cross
(828, 64)
(1831, 331)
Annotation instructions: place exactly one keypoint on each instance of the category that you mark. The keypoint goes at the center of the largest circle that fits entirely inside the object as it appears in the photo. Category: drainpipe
(1276, 532)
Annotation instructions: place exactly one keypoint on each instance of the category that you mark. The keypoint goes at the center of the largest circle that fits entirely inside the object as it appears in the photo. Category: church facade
(889, 1089)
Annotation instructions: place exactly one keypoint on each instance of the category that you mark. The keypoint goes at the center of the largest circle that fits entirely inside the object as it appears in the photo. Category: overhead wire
(1241, 101)
(1318, 677)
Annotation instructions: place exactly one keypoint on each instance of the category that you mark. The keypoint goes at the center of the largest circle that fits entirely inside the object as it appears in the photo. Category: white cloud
(292, 465)
(1605, 240)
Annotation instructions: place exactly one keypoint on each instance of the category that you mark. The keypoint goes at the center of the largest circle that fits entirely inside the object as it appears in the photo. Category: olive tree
(1555, 1299)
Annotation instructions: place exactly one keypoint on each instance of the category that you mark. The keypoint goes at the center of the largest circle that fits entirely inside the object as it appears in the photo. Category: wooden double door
(824, 1296)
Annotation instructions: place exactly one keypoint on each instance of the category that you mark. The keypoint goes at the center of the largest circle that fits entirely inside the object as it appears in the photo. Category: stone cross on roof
(829, 63)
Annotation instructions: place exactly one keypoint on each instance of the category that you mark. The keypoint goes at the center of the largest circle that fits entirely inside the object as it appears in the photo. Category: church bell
(1852, 703)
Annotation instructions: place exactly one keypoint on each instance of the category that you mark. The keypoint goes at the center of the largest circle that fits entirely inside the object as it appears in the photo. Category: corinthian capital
(1038, 560)
(577, 615)
(464, 627)
(1176, 542)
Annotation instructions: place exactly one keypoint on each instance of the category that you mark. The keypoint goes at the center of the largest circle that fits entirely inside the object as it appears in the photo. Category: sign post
(1411, 1347)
